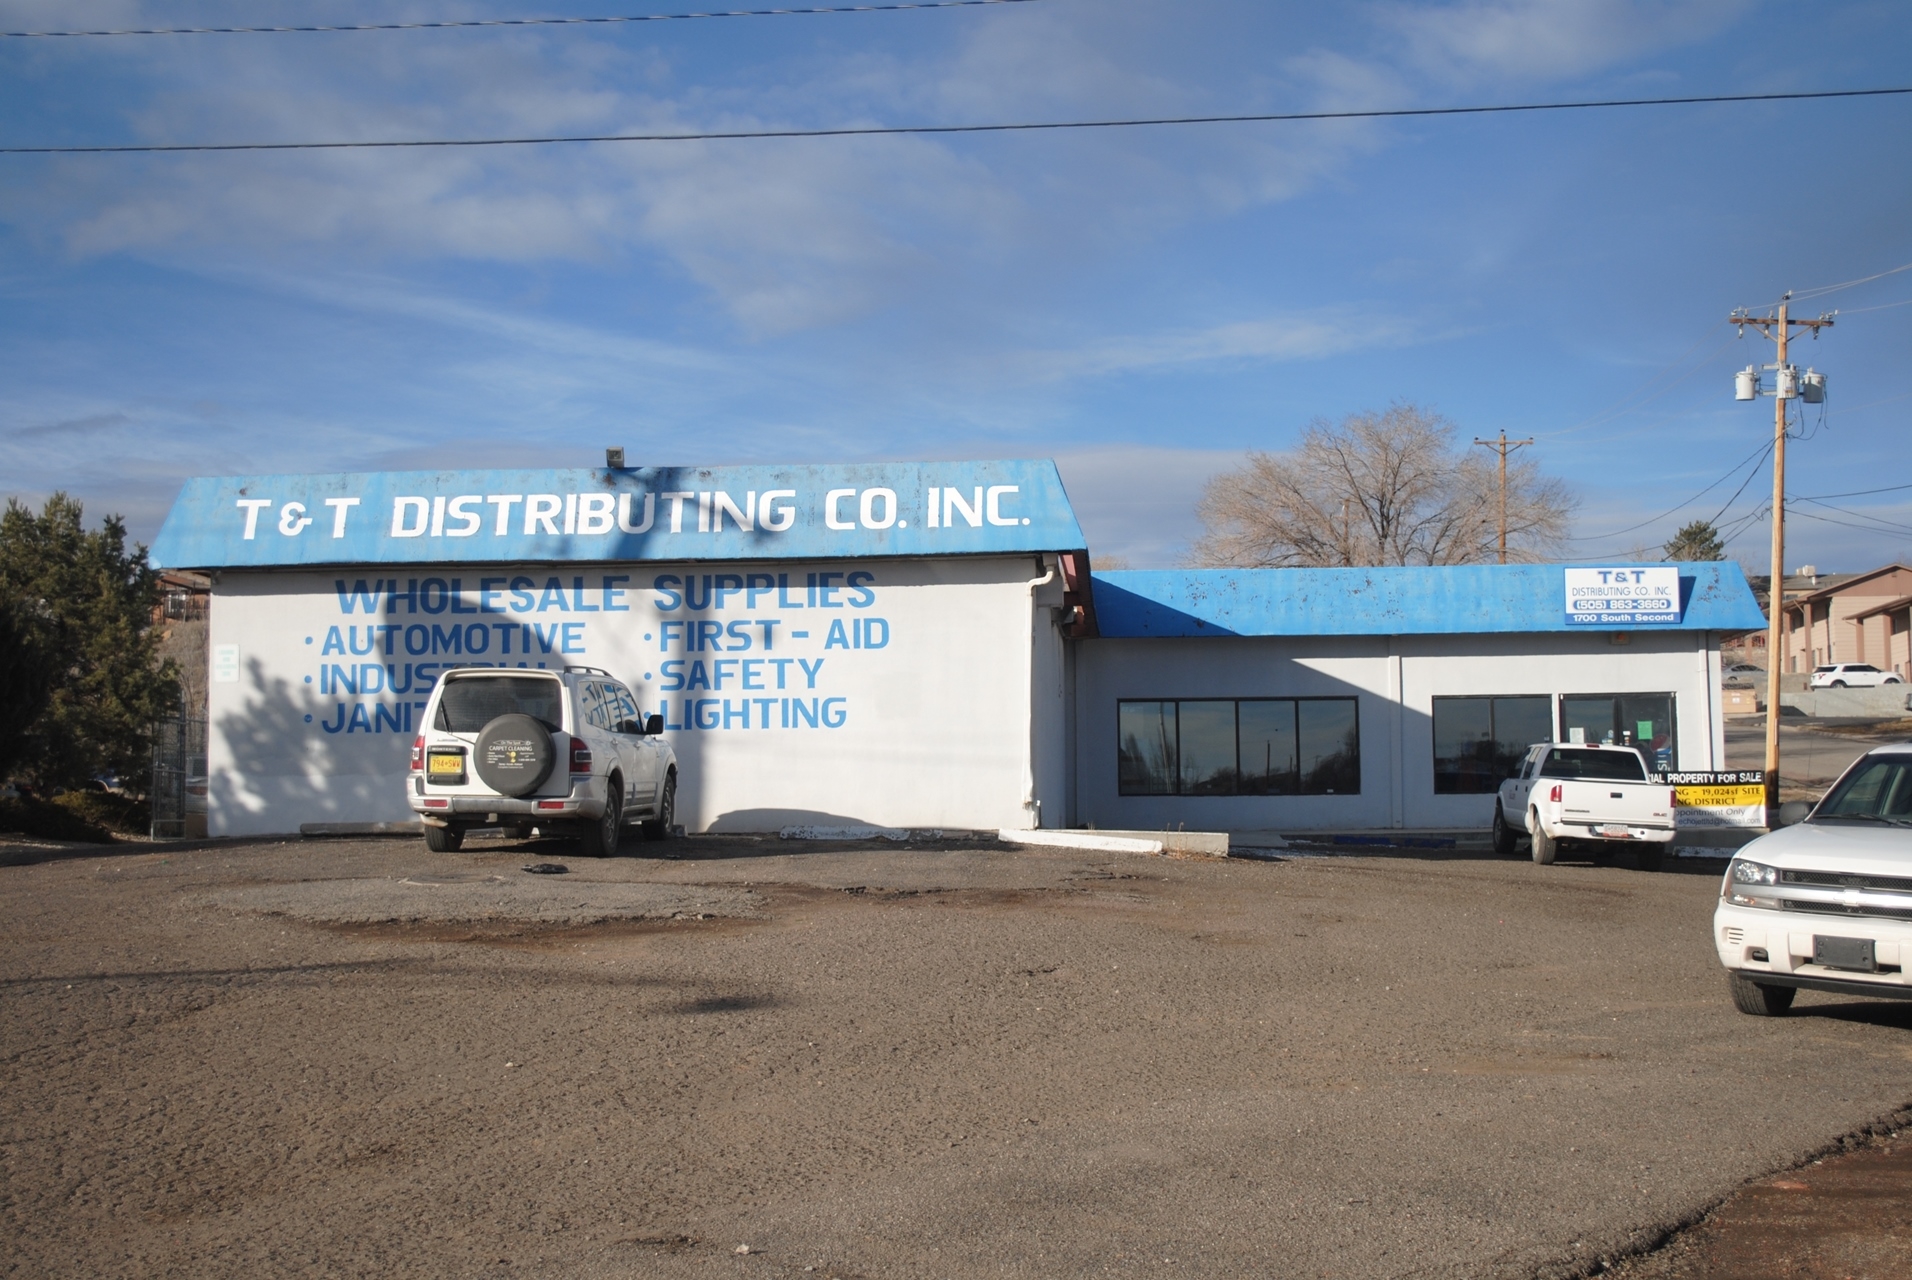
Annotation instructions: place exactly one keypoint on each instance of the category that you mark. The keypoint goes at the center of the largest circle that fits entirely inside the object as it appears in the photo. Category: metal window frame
(1293, 701)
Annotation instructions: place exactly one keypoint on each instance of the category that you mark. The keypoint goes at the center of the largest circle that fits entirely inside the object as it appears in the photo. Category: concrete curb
(1093, 841)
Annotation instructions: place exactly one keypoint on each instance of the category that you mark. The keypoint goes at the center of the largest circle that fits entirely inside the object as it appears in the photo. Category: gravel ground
(954, 1060)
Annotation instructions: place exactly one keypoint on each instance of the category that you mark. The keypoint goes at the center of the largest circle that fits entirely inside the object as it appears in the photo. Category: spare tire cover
(514, 755)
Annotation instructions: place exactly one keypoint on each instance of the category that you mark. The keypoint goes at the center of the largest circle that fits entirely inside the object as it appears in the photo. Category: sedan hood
(1824, 846)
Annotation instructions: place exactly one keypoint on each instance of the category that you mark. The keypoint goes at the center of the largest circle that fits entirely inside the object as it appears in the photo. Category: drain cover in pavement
(546, 868)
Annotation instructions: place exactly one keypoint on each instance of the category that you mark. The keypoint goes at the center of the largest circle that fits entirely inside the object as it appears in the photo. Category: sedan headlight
(1744, 879)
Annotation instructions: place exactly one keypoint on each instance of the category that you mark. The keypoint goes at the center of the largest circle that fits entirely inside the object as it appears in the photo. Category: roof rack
(591, 671)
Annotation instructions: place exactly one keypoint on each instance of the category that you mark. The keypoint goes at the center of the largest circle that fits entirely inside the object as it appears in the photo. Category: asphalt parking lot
(357, 1058)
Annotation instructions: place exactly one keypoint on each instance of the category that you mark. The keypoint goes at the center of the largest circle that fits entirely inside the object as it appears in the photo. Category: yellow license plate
(445, 762)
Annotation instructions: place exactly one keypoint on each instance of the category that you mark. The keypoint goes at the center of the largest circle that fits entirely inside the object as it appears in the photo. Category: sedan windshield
(471, 704)
(1599, 766)
(1879, 788)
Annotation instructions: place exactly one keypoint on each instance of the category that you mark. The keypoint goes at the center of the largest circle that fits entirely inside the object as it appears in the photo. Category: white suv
(559, 750)
(1857, 675)
(1824, 901)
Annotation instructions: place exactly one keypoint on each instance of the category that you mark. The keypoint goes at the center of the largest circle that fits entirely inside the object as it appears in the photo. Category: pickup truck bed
(1584, 792)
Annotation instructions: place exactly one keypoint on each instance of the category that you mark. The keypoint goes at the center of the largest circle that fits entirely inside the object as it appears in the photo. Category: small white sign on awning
(1623, 597)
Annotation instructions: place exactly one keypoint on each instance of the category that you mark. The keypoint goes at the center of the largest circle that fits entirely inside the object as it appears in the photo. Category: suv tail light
(418, 754)
(580, 756)
(1554, 795)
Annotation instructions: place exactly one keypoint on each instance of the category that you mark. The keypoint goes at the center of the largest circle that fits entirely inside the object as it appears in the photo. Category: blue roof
(1390, 601)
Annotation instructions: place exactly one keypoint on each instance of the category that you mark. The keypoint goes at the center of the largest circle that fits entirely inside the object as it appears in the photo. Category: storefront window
(1249, 746)
(1478, 742)
(1269, 766)
(1643, 720)
(1146, 751)
(1207, 748)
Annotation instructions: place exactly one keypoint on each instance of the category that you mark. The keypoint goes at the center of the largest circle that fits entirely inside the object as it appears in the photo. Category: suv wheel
(659, 828)
(444, 839)
(1503, 834)
(1757, 999)
(1838, 684)
(600, 838)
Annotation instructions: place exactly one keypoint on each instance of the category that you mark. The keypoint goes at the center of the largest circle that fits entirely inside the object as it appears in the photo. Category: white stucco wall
(1394, 681)
(935, 722)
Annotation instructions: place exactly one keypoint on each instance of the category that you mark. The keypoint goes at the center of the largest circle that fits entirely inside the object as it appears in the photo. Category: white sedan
(1742, 673)
(1854, 675)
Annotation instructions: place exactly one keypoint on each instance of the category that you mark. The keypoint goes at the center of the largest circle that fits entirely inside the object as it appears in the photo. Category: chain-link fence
(179, 779)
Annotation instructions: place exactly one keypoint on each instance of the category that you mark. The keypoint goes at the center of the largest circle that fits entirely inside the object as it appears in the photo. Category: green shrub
(120, 814)
(49, 820)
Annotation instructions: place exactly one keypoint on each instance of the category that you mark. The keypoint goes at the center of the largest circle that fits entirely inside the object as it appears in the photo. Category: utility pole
(1788, 384)
(1503, 447)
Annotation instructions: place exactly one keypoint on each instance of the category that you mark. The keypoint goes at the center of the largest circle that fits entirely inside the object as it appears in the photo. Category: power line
(1750, 477)
(1856, 515)
(509, 22)
(1867, 528)
(1756, 456)
(1800, 295)
(1883, 306)
(1851, 493)
(896, 130)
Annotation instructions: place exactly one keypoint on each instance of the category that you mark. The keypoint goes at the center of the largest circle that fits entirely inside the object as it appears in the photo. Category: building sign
(1623, 597)
(1731, 799)
(624, 515)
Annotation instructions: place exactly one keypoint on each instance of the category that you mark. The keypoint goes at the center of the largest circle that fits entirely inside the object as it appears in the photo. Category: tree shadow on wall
(280, 759)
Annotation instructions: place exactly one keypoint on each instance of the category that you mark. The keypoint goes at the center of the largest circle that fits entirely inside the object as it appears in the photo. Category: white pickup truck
(1584, 792)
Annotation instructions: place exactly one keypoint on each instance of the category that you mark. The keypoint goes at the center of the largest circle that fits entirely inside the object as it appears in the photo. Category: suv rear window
(470, 704)
(1599, 766)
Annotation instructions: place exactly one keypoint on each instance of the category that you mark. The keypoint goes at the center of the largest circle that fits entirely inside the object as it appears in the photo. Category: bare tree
(1377, 488)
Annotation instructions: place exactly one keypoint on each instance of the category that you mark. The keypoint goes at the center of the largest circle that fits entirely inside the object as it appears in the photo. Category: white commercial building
(913, 645)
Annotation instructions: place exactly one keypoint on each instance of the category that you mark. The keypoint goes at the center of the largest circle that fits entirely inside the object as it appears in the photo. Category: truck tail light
(580, 756)
(418, 754)
(1554, 795)
(1672, 798)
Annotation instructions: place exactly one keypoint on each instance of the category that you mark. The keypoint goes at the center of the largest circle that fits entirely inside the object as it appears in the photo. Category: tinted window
(1604, 766)
(1480, 741)
(1145, 753)
(1269, 764)
(1329, 747)
(1208, 748)
(1879, 787)
(470, 704)
(1247, 746)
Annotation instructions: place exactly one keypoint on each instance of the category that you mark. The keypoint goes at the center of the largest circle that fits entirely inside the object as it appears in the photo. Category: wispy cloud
(1548, 39)
(1277, 339)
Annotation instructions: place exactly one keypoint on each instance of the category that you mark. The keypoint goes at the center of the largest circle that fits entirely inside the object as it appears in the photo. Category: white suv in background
(567, 751)
(1856, 675)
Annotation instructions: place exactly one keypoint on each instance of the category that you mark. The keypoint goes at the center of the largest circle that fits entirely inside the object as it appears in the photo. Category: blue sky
(1144, 305)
